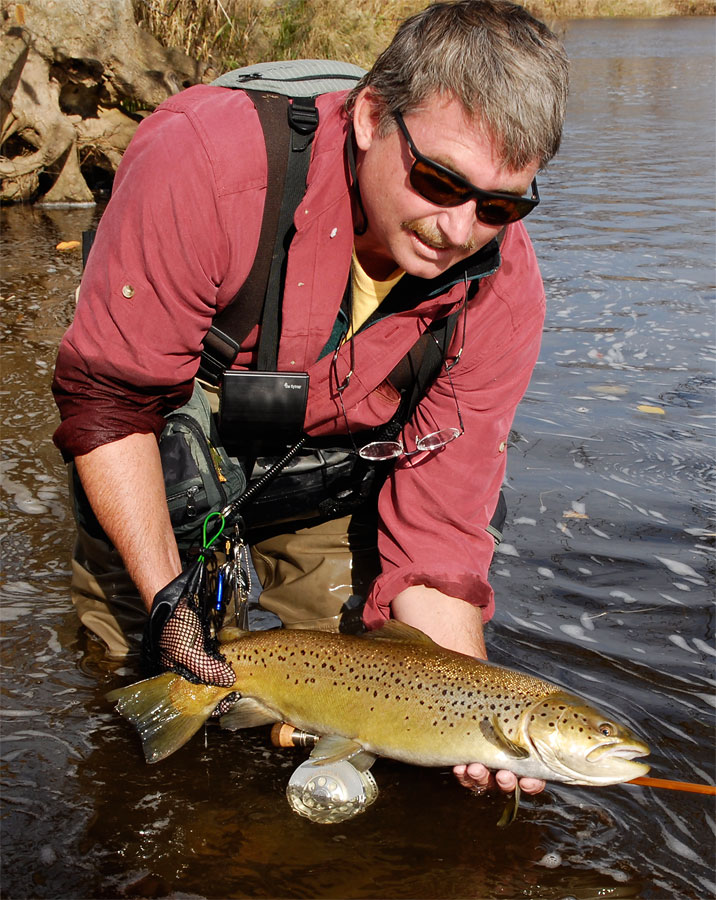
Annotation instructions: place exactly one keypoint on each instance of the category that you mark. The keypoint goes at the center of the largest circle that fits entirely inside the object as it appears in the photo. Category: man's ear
(366, 115)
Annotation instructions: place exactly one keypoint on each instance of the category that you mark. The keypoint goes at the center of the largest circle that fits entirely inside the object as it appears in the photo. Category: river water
(604, 581)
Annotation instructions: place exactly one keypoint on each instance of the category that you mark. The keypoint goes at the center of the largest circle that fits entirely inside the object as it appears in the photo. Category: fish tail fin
(167, 711)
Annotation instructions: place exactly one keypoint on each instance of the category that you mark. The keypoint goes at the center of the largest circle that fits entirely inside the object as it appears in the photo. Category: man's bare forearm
(449, 621)
(124, 483)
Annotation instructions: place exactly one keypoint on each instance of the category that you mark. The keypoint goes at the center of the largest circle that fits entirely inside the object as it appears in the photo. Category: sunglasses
(444, 187)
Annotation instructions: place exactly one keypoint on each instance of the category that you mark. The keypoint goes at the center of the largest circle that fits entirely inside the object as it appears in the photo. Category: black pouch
(199, 476)
(320, 482)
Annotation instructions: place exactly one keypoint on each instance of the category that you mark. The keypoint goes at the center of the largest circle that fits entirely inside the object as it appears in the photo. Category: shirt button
(502, 447)
(128, 291)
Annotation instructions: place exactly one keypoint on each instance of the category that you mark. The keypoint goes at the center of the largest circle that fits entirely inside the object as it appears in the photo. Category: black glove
(183, 648)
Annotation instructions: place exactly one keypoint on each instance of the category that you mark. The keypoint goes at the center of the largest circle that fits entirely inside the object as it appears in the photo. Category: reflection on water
(604, 579)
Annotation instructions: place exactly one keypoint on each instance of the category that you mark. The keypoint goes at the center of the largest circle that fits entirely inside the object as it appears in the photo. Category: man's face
(404, 229)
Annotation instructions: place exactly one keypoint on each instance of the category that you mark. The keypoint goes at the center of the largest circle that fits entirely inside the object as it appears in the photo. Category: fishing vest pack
(326, 479)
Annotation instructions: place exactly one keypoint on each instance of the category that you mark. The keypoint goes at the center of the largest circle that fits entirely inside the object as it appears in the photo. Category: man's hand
(181, 647)
(479, 779)
(457, 625)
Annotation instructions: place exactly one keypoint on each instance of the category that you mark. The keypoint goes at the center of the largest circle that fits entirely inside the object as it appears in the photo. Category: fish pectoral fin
(492, 732)
(393, 630)
(248, 713)
(334, 748)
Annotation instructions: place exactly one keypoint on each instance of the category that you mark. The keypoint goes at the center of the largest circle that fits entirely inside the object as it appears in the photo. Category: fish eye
(606, 728)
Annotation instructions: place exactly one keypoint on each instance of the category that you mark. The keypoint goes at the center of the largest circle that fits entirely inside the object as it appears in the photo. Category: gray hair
(507, 69)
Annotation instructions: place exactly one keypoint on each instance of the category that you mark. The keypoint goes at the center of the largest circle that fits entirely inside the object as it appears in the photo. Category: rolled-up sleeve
(153, 281)
(434, 511)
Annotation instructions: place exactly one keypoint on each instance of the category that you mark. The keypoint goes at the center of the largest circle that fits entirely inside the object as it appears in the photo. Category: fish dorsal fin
(248, 713)
(492, 731)
(230, 633)
(393, 630)
(334, 748)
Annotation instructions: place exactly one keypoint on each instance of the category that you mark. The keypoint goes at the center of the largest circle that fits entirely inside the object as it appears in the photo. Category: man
(449, 130)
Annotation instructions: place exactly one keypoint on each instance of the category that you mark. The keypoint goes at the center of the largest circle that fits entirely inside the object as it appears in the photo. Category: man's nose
(458, 223)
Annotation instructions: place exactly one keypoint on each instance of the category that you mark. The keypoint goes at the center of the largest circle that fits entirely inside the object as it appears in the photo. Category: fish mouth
(618, 749)
(615, 763)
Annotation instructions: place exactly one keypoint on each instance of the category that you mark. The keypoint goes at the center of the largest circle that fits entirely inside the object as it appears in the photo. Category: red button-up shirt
(174, 245)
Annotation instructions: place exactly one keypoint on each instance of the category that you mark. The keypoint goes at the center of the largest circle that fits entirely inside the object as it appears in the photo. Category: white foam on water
(680, 568)
(12, 613)
(577, 632)
(615, 874)
(679, 848)
(672, 599)
(533, 625)
(709, 699)
(681, 643)
(704, 647)
(551, 860)
(623, 595)
(506, 549)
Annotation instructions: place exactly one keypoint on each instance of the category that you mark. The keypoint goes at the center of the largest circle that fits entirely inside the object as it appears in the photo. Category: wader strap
(259, 298)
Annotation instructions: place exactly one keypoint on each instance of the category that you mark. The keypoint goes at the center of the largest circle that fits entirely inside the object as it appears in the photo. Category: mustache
(435, 238)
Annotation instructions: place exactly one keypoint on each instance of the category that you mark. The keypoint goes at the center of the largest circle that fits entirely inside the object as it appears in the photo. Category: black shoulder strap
(288, 132)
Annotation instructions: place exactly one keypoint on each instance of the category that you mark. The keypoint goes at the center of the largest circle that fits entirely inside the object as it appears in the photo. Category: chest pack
(326, 479)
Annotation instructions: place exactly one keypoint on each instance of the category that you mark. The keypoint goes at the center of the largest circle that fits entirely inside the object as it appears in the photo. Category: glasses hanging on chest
(384, 450)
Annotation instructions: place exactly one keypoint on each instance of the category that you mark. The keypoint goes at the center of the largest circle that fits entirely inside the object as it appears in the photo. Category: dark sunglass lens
(436, 186)
(498, 211)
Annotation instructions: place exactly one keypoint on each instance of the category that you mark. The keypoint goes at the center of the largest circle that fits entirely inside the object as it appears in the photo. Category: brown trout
(394, 693)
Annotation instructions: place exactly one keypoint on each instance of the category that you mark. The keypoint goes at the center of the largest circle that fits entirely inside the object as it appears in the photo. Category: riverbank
(241, 32)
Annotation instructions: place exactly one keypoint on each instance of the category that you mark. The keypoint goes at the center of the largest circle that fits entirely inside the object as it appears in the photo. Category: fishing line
(675, 785)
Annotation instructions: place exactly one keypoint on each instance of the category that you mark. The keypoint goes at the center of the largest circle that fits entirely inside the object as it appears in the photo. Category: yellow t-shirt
(368, 294)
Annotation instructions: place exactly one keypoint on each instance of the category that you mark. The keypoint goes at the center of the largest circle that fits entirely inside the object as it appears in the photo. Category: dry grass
(230, 33)
(590, 9)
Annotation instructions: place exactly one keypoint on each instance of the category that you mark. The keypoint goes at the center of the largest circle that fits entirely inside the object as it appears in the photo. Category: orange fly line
(675, 785)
